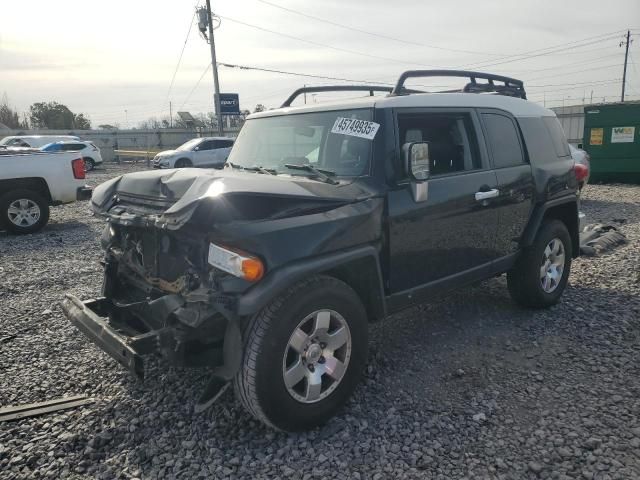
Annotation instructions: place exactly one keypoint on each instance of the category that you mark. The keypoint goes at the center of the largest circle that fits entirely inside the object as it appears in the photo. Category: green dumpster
(612, 139)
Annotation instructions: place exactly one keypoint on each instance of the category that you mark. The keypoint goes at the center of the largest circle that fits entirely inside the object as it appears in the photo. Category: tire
(268, 354)
(526, 284)
(89, 164)
(183, 163)
(16, 203)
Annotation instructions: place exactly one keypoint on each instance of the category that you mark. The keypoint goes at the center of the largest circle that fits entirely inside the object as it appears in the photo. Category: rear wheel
(541, 273)
(304, 355)
(183, 163)
(89, 164)
(23, 211)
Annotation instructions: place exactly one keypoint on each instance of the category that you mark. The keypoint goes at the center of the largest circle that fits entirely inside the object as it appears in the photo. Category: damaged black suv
(325, 218)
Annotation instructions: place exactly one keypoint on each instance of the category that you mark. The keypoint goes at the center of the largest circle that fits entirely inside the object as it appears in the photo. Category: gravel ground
(468, 386)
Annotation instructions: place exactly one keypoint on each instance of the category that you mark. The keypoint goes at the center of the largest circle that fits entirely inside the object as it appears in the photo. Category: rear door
(448, 232)
(204, 154)
(515, 179)
(222, 150)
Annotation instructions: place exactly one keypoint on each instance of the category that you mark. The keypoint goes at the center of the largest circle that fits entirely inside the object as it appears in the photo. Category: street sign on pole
(229, 104)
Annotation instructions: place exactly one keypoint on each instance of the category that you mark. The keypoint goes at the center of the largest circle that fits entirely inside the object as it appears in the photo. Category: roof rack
(511, 87)
(335, 88)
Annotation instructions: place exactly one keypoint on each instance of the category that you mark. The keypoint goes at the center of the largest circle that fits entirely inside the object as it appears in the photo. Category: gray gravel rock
(558, 388)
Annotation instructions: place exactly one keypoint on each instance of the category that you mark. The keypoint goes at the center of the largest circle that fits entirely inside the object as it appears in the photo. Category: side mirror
(416, 160)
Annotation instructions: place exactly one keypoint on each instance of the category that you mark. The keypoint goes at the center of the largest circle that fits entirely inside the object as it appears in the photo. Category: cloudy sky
(103, 58)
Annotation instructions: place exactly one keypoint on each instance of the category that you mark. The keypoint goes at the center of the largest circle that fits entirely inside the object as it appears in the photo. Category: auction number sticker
(355, 127)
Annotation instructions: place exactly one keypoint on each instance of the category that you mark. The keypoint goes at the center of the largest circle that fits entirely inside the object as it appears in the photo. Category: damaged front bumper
(91, 318)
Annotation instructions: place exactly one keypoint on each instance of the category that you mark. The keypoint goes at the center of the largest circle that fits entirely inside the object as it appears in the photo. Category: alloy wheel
(553, 260)
(317, 356)
(24, 212)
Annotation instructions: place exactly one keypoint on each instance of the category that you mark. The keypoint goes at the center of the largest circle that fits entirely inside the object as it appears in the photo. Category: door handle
(493, 193)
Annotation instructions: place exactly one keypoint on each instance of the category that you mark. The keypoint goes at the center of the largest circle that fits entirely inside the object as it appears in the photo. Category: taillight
(77, 166)
(581, 171)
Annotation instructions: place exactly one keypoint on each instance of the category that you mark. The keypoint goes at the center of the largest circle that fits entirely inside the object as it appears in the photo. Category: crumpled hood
(168, 199)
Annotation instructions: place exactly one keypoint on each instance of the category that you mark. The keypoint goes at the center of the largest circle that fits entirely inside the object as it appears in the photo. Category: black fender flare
(538, 215)
(277, 281)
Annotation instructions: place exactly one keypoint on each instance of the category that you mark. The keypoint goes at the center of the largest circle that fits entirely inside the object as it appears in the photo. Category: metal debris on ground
(597, 238)
(40, 408)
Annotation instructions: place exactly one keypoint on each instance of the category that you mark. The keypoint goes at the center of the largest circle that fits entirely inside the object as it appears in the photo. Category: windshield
(338, 141)
(189, 145)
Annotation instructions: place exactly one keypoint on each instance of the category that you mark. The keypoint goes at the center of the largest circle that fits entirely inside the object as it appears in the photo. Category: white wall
(572, 120)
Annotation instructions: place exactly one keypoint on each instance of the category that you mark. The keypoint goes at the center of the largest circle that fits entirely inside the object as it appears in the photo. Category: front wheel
(541, 273)
(304, 355)
(23, 211)
(183, 163)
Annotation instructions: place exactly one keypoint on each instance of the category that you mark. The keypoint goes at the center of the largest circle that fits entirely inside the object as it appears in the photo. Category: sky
(114, 61)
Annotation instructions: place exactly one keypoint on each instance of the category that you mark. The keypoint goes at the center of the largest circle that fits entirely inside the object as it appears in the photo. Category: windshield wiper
(255, 168)
(321, 173)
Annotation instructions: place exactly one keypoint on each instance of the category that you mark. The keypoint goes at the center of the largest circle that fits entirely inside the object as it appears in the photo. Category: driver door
(446, 233)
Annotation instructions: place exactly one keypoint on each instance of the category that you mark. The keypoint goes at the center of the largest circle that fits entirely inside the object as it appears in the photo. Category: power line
(572, 85)
(297, 74)
(173, 78)
(542, 51)
(195, 86)
(374, 34)
(324, 45)
(578, 71)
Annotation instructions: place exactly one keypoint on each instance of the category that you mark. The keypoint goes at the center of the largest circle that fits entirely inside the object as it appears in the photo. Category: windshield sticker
(355, 128)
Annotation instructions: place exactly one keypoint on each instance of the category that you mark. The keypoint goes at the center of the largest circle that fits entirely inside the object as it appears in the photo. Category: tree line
(56, 116)
(49, 115)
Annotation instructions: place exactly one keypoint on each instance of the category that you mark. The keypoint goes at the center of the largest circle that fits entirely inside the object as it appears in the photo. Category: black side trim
(279, 280)
(407, 298)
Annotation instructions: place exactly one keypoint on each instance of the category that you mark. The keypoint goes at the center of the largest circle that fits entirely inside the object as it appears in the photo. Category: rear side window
(73, 147)
(557, 136)
(223, 143)
(504, 140)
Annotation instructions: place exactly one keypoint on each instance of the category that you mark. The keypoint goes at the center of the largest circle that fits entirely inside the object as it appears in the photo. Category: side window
(453, 145)
(207, 145)
(72, 147)
(556, 131)
(504, 140)
(223, 143)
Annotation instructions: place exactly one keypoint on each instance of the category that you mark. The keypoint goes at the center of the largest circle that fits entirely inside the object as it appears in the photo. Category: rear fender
(563, 209)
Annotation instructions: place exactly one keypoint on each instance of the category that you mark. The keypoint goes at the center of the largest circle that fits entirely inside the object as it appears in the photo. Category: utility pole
(214, 67)
(626, 58)
(170, 115)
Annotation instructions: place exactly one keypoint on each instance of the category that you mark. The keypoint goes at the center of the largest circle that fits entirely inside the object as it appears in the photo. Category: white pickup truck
(32, 181)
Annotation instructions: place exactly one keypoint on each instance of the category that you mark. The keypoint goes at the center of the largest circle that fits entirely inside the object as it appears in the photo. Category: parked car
(325, 218)
(583, 164)
(90, 153)
(198, 152)
(34, 141)
(31, 182)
